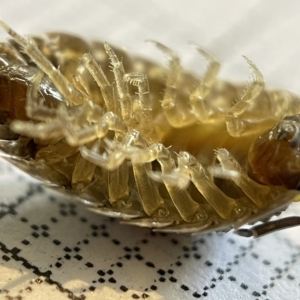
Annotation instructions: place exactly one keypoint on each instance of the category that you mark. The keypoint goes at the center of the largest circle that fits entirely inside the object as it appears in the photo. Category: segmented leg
(79, 134)
(239, 118)
(260, 195)
(187, 207)
(141, 82)
(9, 54)
(71, 95)
(199, 106)
(35, 109)
(268, 199)
(118, 190)
(110, 121)
(135, 149)
(89, 63)
(121, 85)
(177, 115)
(79, 126)
(112, 159)
(142, 107)
(226, 207)
(237, 121)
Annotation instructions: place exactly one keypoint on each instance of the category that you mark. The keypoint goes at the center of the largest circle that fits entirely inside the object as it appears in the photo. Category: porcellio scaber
(155, 146)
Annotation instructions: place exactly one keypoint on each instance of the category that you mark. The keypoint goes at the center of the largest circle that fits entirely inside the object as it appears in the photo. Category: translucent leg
(117, 171)
(176, 116)
(118, 189)
(112, 159)
(79, 126)
(9, 54)
(140, 155)
(147, 189)
(43, 131)
(122, 86)
(83, 173)
(257, 193)
(236, 122)
(81, 81)
(35, 108)
(78, 134)
(106, 89)
(71, 95)
(143, 105)
(55, 153)
(222, 204)
(226, 207)
(109, 160)
(187, 207)
(197, 98)
(141, 82)
(142, 108)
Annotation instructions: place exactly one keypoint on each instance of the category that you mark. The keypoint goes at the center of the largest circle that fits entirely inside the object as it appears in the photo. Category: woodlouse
(155, 146)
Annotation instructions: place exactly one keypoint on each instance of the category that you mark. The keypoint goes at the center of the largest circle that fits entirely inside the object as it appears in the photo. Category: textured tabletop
(53, 248)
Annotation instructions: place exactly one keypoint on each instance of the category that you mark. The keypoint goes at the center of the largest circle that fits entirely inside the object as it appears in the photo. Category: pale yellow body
(157, 147)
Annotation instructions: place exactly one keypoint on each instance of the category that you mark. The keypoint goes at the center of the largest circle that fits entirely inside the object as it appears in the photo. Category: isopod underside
(154, 146)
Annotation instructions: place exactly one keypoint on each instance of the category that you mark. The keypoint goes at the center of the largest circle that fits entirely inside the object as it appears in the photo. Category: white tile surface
(265, 31)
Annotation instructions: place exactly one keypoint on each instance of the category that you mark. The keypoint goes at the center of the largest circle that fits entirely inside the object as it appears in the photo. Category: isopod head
(275, 156)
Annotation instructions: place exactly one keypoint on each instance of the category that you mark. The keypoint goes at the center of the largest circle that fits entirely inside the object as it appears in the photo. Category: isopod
(154, 146)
